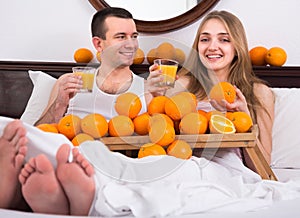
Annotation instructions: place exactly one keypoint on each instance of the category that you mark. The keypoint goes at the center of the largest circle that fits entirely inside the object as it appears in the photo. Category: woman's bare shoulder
(263, 91)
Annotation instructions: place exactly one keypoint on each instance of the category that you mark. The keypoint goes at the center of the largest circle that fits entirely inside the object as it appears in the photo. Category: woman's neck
(218, 76)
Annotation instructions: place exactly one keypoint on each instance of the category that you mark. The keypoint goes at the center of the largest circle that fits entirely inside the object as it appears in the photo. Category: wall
(52, 30)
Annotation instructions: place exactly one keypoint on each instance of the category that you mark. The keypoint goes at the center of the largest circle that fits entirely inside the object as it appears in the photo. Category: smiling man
(114, 35)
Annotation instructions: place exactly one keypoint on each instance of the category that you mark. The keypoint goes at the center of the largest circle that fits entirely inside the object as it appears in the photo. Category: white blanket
(164, 185)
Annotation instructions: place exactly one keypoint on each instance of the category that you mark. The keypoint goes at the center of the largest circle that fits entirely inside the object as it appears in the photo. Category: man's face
(121, 42)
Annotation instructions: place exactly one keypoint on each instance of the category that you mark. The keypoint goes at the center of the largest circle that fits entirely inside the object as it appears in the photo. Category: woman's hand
(239, 104)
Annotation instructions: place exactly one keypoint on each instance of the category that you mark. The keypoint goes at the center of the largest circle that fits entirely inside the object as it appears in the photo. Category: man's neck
(114, 81)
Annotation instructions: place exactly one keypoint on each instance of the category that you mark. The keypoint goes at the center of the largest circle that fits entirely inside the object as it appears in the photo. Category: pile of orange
(261, 56)
(168, 51)
(78, 129)
(166, 117)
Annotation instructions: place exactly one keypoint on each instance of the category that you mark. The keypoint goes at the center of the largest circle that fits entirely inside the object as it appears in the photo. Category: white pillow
(286, 129)
(42, 86)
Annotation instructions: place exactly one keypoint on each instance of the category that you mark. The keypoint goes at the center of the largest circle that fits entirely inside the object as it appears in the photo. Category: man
(114, 35)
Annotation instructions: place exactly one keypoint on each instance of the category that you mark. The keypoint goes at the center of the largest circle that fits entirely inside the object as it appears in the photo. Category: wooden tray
(195, 141)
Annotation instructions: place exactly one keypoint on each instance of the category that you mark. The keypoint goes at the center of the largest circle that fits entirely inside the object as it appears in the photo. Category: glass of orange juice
(87, 75)
(169, 70)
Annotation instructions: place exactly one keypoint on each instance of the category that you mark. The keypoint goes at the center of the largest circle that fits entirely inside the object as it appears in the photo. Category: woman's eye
(204, 40)
(225, 40)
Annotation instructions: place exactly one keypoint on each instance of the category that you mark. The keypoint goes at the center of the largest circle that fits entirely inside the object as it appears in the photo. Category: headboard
(16, 86)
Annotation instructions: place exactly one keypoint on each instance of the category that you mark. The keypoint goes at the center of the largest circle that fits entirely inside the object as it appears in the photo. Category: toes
(62, 155)
(43, 165)
(12, 129)
(84, 163)
(19, 160)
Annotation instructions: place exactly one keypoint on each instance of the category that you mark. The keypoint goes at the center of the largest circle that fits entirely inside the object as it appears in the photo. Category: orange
(220, 124)
(81, 137)
(193, 123)
(223, 90)
(128, 104)
(83, 55)
(69, 126)
(141, 123)
(95, 125)
(192, 97)
(151, 149)
(241, 120)
(165, 50)
(203, 113)
(157, 105)
(210, 113)
(158, 118)
(120, 126)
(98, 56)
(178, 105)
(179, 56)
(139, 56)
(162, 133)
(257, 55)
(229, 115)
(151, 56)
(180, 149)
(276, 56)
(47, 127)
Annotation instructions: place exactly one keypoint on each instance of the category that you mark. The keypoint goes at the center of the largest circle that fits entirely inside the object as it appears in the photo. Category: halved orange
(221, 124)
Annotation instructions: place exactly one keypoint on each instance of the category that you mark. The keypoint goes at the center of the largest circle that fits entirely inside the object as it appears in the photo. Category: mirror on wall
(150, 19)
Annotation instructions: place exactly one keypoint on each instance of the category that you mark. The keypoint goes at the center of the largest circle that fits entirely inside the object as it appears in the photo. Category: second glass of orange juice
(87, 74)
(169, 70)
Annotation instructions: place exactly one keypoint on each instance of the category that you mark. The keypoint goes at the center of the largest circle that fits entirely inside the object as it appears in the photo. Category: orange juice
(168, 69)
(87, 76)
(87, 79)
(169, 73)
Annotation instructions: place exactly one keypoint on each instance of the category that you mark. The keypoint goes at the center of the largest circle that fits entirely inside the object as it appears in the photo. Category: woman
(220, 53)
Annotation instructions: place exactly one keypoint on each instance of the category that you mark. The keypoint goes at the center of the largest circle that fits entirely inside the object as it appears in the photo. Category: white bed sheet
(284, 175)
(289, 208)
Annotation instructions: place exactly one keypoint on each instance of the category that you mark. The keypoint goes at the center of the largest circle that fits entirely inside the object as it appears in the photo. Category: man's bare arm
(64, 89)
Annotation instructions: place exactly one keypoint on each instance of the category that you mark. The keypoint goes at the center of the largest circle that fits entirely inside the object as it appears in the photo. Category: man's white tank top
(102, 103)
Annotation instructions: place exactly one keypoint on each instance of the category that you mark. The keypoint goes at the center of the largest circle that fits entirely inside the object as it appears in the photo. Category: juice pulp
(87, 79)
(169, 73)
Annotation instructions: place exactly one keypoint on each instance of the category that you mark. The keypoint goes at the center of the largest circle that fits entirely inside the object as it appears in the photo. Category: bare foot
(40, 187)
(12, 154)
(76, 177)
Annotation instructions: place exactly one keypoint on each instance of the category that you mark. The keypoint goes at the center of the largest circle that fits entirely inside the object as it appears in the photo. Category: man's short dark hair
(98, 23)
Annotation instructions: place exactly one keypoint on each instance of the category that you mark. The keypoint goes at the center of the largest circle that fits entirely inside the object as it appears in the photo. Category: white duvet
(163, 185)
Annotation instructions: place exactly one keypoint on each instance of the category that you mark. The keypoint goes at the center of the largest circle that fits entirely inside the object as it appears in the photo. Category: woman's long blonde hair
(241, 72)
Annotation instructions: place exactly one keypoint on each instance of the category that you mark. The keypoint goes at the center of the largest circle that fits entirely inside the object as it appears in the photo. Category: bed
(24, 86)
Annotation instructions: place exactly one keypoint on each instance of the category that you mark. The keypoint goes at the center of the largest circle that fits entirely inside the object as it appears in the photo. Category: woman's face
(216, 51)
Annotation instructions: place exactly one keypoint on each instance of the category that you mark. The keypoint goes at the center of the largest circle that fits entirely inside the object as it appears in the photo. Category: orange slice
(221, 124)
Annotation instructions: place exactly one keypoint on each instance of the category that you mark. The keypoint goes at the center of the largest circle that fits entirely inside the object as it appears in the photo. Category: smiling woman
(159, 26)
